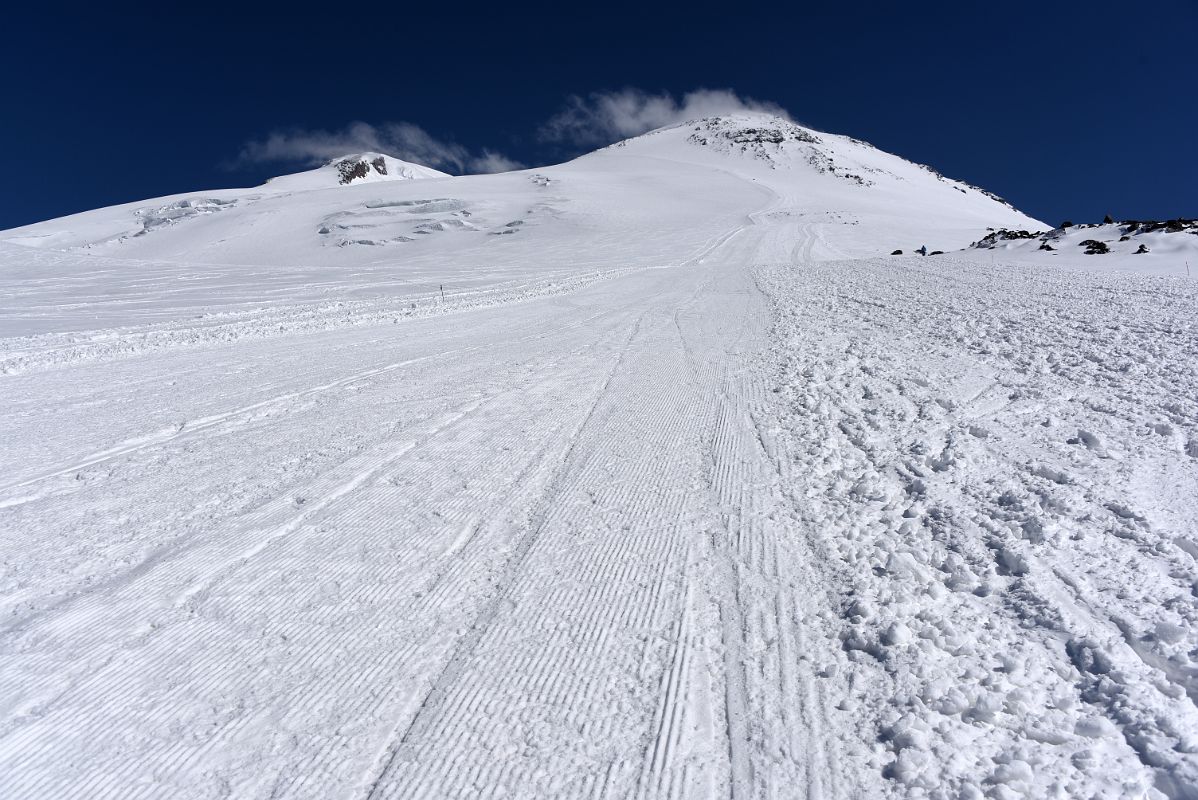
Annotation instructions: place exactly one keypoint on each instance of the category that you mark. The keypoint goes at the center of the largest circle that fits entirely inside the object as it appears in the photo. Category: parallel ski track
(571, 665)
(622, 614)
(194, 427)
(621, 534)
(90, 622)
(467, 645)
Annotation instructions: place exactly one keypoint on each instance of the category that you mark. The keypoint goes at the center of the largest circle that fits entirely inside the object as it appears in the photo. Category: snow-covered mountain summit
(355, 168)
(853, 199)
(780, 144)
(869, 201)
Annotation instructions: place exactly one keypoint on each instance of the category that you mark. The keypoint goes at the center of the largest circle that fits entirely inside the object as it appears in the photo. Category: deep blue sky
(1068, 109)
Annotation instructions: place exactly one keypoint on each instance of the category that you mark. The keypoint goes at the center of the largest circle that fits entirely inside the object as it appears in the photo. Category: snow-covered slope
(643, 198)
(863, 201)
(645, 475)
(867, 202)
(117, 225)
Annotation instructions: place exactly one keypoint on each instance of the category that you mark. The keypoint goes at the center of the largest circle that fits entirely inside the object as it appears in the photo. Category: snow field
(585, 588)
(680, 491)
(1000, 464)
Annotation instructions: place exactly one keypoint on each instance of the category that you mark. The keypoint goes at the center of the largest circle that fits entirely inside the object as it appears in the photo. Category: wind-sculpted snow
(637, 477)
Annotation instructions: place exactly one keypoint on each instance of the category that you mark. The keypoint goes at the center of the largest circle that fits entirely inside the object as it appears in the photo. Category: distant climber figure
(923, 250)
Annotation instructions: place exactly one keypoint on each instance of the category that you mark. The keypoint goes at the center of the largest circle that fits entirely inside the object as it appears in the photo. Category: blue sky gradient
(1069, 110)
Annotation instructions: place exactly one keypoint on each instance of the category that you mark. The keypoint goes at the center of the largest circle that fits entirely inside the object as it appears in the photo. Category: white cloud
(493, 162)
(402, 140)
(597, 119)
(604, 117)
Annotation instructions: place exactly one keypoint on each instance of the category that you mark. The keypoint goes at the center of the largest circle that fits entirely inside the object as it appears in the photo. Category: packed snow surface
(646, 475)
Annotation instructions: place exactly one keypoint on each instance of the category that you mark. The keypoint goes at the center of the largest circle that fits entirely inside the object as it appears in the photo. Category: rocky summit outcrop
(352, 169)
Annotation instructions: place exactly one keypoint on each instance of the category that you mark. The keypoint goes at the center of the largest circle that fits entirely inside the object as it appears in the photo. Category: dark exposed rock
(897, 253)
(1107, 220)
(1169, 226)
(1143, 249)
(753, 135)
(1095, 247)
(750, 138)
(1004, 235)
(351, 170)
(1066, 224)
(765, 142)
